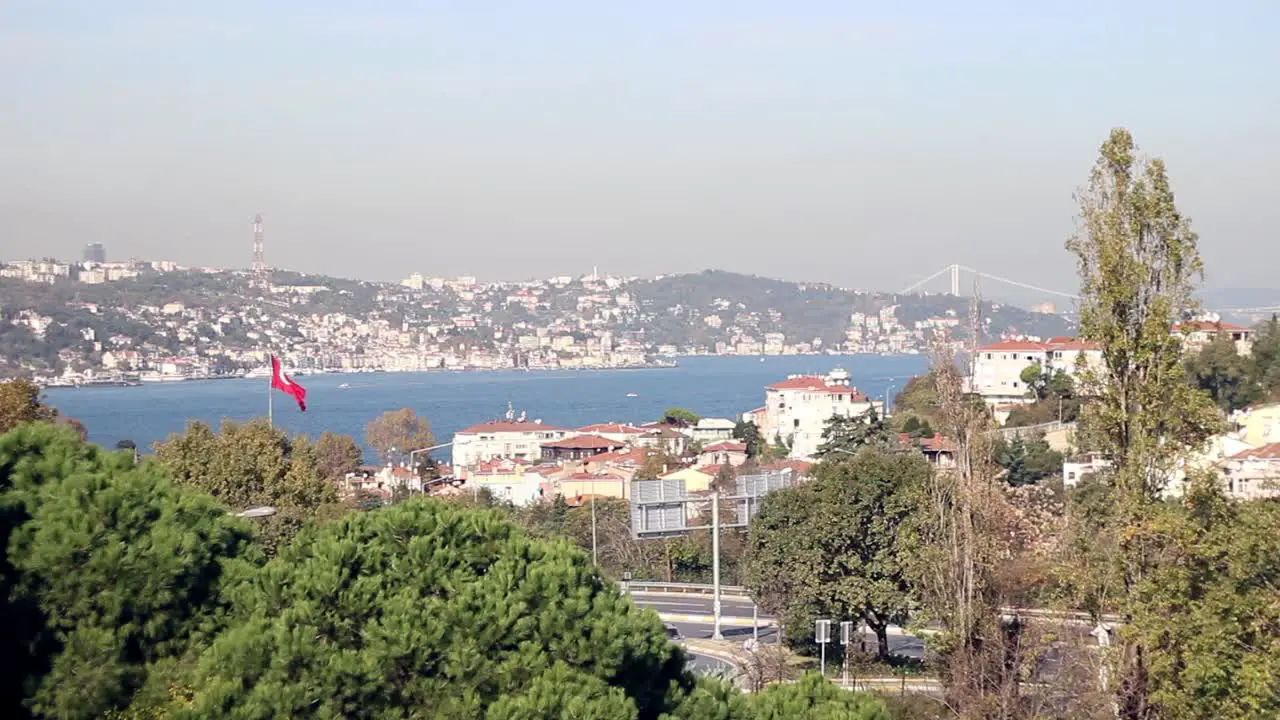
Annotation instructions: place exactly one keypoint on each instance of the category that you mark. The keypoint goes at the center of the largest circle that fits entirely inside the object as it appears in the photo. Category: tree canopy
(436, 610)
(831, 548)
(247, 465)
(680, 416)
(109, 572)
(845, 434)
(20, 403)
(397, 433)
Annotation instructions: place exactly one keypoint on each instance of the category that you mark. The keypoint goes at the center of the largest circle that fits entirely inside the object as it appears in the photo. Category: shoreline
(306, 372)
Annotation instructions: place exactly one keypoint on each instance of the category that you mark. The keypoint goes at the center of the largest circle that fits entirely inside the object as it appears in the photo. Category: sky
(866, 144)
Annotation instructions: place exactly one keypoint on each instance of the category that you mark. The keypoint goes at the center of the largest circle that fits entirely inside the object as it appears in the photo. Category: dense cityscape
(95, 321)
(621, 361)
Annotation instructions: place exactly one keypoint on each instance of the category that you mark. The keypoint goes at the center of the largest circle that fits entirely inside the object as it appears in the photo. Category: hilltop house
(797, 409)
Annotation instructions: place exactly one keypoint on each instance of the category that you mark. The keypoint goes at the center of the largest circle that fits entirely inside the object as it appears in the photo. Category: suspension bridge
(953, 275)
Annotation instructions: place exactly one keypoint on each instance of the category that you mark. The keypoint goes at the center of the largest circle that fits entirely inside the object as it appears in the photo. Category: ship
(152, 377)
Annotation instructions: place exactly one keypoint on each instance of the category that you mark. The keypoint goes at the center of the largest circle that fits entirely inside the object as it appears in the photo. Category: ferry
(152, 377)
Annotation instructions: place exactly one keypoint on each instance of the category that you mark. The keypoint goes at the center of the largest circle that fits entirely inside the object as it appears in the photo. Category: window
(988, 356)
(796, 422)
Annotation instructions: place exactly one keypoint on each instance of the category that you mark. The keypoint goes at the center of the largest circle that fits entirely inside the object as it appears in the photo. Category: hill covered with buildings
(87, 320)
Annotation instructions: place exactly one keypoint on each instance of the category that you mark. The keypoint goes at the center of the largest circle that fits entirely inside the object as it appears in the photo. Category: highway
(692, 615)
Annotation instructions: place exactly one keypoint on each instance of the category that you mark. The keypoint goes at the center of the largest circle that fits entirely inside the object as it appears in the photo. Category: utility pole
(595, 554)
(846, 632)
(715, 563)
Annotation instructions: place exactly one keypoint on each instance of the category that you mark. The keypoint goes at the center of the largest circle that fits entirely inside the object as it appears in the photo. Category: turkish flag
(284, 383)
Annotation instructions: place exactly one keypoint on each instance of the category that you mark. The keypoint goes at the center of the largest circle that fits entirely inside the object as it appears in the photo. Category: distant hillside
(804, 311)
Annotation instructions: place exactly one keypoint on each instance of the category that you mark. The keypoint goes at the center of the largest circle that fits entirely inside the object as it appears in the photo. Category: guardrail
(645, 586)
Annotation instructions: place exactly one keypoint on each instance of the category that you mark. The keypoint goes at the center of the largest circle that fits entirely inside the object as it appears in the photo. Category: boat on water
(153, 377)
(259, 372)
(633, 394)
(343, 386)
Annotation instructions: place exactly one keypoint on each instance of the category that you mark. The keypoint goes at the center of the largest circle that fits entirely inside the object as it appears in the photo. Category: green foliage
(814, 698)
(680, 416)
(337, 455)
(1224, 374)
(1139, 262)
(844, 434)
(397, 433)
(832, 547)
(749, 434)
(919, 398)
(1211, 610)
(1236, 381)
(1027, 463)
(20, 403)
(428, 609)
(916, 428)
(250, 465)
(109, 572)
(1265, 368)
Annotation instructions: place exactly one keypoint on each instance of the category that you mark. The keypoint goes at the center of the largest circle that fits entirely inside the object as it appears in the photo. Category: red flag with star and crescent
(282, 382)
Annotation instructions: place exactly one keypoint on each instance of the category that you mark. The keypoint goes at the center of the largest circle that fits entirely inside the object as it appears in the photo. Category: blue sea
(710, 386)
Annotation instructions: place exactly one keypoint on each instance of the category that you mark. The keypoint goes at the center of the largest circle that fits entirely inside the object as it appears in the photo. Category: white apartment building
(1253, 474)
(510, 439)
(997, 368)
(798, 408)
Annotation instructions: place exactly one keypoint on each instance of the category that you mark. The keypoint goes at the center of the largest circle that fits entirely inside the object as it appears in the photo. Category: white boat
(633, 395)
(343, 386)
(149, 377)
(259, 372)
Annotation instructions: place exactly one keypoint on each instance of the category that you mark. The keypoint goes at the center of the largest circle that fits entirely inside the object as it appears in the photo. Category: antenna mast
(259, 261)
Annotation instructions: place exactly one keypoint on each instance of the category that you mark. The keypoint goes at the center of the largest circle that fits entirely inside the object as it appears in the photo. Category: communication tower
(259, 262)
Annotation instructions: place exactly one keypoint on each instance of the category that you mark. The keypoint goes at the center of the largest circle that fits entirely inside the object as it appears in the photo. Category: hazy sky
(862, 143)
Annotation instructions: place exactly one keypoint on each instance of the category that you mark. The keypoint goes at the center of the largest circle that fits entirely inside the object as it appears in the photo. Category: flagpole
(270, 395)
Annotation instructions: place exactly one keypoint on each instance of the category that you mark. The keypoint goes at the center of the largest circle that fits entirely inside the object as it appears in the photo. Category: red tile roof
(1266, 452)
(1209, 326)
(817, 383)
(612, 429)
(713, 470)
(584, 442)
(635, 456)
(505, 426)
(1015, 346)
(595, 477)
(1073, 344)
(726, 446)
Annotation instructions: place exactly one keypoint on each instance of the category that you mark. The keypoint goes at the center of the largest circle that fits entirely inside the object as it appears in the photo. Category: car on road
(673, 632)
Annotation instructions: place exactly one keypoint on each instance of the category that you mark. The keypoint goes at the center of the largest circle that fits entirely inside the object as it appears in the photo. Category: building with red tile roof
(509, 439)
(797, 409)
(1253, 474)
(578, 447)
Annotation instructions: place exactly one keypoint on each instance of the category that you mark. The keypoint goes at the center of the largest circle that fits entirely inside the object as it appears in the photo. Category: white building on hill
(797, 409)
(997, 368)
(511, 439)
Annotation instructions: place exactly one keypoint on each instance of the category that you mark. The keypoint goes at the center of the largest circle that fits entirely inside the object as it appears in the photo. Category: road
(691, 614)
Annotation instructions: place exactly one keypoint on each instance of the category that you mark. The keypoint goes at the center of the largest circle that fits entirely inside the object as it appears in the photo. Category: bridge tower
(955, 280)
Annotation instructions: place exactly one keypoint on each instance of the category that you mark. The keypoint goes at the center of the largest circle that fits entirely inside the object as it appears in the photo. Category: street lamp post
(715, 563)
(595, 555)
